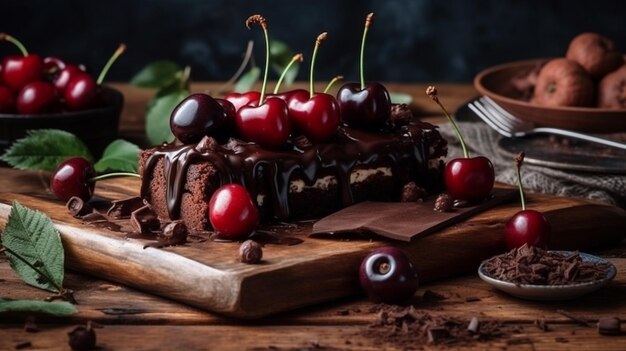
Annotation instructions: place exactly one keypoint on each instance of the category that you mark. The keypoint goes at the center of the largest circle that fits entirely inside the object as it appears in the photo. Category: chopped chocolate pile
(409, 327)
(532, 265)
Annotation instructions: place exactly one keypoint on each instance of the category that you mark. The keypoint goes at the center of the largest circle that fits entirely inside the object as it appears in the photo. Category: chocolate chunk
(78, 207)
(430, 295)
(473, 325)
(207, 144)
(609, 326)
(94, 217)
(23, 345)
(144, 220)
(30, 326)
(123, 208)
(472, 299)
(411, 193)
(437, 334)
(176, 232)
(250, 252)
(400, 115)
(443, 203)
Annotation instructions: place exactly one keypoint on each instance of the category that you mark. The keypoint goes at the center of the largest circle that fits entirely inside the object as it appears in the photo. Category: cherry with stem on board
(468, 178)
(364, 105)
(528, 227)
(266, 122)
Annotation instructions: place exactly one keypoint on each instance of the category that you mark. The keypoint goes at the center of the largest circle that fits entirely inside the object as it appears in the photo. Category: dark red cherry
(64, 76)
(528, 227)
(469, 179)
(367, 108)
(20, 70)
(38, 97)
(387, 275)
(53, 65)
(231, 114)
(266, 125)
(7, 100)
(81, 92)
(242, 99)
(232, 212)
(73, 177)
(316, 117)
(196, 116)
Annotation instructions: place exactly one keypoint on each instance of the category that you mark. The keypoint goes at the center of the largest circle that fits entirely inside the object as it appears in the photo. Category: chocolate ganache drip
(260, 169)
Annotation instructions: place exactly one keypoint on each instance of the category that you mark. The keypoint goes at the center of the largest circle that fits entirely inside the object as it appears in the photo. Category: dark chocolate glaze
(268, 172)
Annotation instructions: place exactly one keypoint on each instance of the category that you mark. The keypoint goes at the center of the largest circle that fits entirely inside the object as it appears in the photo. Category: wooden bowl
(95, 127)
(496, 83)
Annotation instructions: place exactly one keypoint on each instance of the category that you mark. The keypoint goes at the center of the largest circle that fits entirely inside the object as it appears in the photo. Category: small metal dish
(551, 292)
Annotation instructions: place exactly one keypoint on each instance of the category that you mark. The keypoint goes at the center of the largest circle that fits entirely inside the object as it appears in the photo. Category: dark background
(422, 40)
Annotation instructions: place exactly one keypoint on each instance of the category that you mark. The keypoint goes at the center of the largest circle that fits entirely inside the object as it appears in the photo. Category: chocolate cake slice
(299, 181)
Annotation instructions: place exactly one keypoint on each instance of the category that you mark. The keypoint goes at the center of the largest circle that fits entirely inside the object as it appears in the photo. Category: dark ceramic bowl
(95, 127)
(497, 83)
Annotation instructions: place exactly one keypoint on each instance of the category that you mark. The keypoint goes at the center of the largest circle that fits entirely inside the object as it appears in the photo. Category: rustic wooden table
(140, 321)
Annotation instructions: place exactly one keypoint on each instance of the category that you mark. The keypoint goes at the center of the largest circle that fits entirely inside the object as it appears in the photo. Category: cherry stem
(11, 39)
(184, 78)
(260, 20)
(332, 81)
(519, 159)
(432, 92)
(120, 50)
(113, 175)
(368, 23)
(294, 59)
(318, 42)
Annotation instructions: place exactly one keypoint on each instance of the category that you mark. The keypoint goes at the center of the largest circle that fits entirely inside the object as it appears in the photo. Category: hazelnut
(250, 252)
(443, 203)
(411, 193)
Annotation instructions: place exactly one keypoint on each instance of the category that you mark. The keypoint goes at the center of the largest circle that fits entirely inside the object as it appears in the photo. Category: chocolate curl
(256, 19)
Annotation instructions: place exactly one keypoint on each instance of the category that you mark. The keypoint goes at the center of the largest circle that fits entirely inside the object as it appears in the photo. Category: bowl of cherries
(47, 92)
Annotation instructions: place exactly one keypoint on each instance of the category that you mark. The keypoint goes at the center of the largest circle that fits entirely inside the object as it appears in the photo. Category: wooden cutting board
(208, 274)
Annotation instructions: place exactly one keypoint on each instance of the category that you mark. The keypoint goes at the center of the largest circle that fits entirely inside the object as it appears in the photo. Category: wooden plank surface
(135, 320)
(208, 275)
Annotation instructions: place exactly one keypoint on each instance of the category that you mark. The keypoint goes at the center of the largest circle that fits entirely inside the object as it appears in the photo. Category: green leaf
(59, 309)
(158, 116)
(400, 98)
(44, 149)
(247, 80)
(280, 56)
(34, 248)
(157, 74)
(119, 156)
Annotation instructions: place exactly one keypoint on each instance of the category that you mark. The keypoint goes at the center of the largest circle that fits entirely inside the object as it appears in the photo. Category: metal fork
(510, 126)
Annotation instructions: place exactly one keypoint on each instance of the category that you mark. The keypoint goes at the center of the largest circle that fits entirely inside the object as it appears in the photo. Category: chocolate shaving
(23, 345)
(532, 265)
(78, 207)
(144, 220)
(123, 208)
(582, 321)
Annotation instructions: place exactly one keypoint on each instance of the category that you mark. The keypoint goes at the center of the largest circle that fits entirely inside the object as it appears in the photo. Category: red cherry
(21, 70)
(7, 100)
(469, 179)
(53, 65)
(240, 100)
(38, 97)
(64, 76)
(266, 125)
(527, 227)
(317, 118)
(81, 92)
(287, 95)
(73, 177)
(232, 212)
